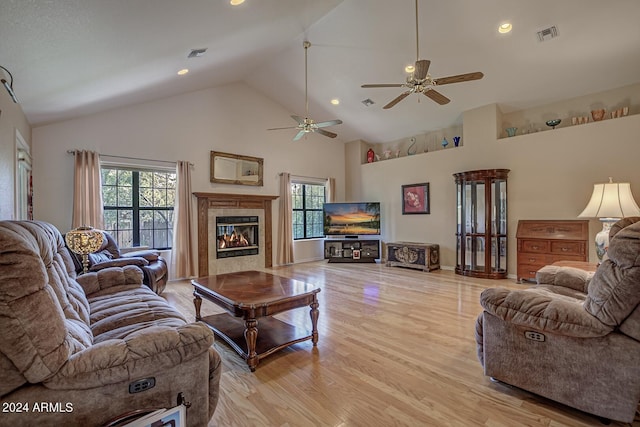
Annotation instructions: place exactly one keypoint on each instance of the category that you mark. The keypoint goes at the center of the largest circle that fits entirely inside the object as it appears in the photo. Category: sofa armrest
(119, 262)
(148, 254)
(93, 282)
(568, 277)
(543, 312)
(139, 355)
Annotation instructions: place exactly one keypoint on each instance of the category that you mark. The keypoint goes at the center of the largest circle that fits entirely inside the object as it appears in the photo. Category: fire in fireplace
(236, 236)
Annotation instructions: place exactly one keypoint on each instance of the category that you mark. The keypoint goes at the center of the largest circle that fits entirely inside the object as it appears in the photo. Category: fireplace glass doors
(236, 236)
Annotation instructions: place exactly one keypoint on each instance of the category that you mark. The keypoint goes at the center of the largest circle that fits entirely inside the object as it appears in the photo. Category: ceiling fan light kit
(421, 82)
(308, 125)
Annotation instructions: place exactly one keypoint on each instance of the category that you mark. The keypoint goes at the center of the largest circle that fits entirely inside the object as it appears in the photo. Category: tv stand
(352, 250)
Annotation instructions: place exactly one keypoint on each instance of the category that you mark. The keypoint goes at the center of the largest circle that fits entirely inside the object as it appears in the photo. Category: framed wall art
(415, 199)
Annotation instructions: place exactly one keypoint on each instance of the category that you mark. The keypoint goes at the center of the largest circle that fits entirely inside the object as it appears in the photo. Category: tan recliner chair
(94, 347)
(575, 337)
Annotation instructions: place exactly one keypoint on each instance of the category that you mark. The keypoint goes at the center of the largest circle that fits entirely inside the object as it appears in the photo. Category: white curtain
(331, 190)
(182, 254)
(87, 190)
(285, 222)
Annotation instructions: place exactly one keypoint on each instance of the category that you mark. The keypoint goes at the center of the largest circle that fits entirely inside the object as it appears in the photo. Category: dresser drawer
(533, 258)
(567, 247)
(558, 257)
(528, 271)
(535, 246)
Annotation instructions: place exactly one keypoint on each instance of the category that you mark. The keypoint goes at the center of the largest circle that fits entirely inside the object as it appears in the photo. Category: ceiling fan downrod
(306, 44)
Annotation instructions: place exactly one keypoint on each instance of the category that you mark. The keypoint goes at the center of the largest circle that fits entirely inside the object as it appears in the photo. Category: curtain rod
(303, 177)
(130, 158)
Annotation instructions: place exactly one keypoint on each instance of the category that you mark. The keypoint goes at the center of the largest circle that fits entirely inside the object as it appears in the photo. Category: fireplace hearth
(236, 236)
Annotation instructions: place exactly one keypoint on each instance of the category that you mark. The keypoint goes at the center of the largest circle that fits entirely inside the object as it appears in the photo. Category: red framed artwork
(415, 199)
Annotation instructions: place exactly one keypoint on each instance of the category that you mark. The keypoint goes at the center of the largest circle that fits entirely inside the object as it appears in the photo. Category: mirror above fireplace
(229, 168)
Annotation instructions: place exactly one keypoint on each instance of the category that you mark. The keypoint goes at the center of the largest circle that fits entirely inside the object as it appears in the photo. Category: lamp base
(602, 238)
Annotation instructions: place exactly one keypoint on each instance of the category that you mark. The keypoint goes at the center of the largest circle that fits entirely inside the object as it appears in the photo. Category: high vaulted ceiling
(75, 57)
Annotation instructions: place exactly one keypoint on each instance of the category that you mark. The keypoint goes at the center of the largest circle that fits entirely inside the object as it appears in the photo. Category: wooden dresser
(543, 242)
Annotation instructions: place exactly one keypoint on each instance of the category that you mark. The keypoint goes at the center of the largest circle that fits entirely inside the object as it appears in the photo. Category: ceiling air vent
(368, 102)
(196, 53)
(548, 34)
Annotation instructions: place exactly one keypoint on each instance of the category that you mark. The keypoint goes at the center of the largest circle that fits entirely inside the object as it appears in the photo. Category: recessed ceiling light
(335, 101)
(236, 2)
(410, 68)
(183, 71)
(505, 28)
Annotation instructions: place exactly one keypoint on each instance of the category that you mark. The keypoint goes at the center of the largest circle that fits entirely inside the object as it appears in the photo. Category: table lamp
(609, 202)
(83, 241)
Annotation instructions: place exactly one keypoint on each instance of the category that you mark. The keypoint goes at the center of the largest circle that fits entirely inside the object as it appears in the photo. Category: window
(138, 206)
(307, 202)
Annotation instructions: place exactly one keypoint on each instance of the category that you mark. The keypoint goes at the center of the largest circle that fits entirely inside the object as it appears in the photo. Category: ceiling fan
(420, 81)
(307, 125)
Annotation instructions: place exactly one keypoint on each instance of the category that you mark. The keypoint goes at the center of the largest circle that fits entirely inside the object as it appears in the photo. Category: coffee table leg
(251, 336)
(197, 302)
(314, 320)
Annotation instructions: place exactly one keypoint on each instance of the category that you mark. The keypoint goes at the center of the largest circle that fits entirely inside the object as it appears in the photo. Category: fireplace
(214, 205)
(236, 236)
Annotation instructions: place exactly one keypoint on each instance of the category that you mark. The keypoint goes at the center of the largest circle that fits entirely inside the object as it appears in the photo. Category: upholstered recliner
(81, 351)
(575, 337)
(154, 266)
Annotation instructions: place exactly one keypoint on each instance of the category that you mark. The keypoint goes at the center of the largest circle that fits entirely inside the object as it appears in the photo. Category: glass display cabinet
(481, 235)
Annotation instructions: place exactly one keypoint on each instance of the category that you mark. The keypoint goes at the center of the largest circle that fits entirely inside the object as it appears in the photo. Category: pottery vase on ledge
(511, 131)
(598, 115)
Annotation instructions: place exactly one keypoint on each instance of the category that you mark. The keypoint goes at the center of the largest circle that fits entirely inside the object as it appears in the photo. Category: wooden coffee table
(251, 295)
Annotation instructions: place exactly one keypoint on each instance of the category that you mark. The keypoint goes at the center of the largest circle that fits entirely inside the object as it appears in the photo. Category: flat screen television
(351, 219)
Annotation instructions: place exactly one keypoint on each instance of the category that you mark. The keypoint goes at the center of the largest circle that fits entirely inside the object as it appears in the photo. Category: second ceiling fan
(421, 82)
(307, 125)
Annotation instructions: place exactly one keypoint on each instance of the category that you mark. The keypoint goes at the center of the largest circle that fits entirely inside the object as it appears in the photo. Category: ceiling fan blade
(384, 85)
(298, 119)
(437, 96)
(326, 133)
(329, 123)
(397, 99)
(288, 127)
(421, 69)
(458, 79)
(299, 135)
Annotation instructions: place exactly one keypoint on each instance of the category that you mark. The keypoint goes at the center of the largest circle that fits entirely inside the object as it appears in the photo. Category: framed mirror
(229, 168)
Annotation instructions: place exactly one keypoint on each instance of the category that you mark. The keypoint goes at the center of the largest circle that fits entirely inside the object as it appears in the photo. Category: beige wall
(232, 118)
(552, 172)
(11, 119)
(552, 176)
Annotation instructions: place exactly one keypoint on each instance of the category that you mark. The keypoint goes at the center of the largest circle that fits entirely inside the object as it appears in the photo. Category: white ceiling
(76, 57)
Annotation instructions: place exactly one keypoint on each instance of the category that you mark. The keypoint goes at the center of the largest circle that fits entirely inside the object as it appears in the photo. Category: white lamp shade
(611, 200)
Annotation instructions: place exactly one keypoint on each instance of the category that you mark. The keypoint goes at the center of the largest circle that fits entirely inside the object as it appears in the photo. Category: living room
(552, 171)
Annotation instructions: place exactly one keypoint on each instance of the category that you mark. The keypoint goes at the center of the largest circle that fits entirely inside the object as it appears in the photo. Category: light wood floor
(377, 363)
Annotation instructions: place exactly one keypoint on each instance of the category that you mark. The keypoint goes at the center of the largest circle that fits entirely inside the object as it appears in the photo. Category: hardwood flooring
(396, 348)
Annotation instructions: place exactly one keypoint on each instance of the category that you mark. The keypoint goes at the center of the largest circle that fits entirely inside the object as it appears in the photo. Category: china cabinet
(481, 235)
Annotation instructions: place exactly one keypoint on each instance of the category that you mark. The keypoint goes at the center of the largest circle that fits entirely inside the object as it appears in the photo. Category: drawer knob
(535, 247)
(564, 249)
(532, 260)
